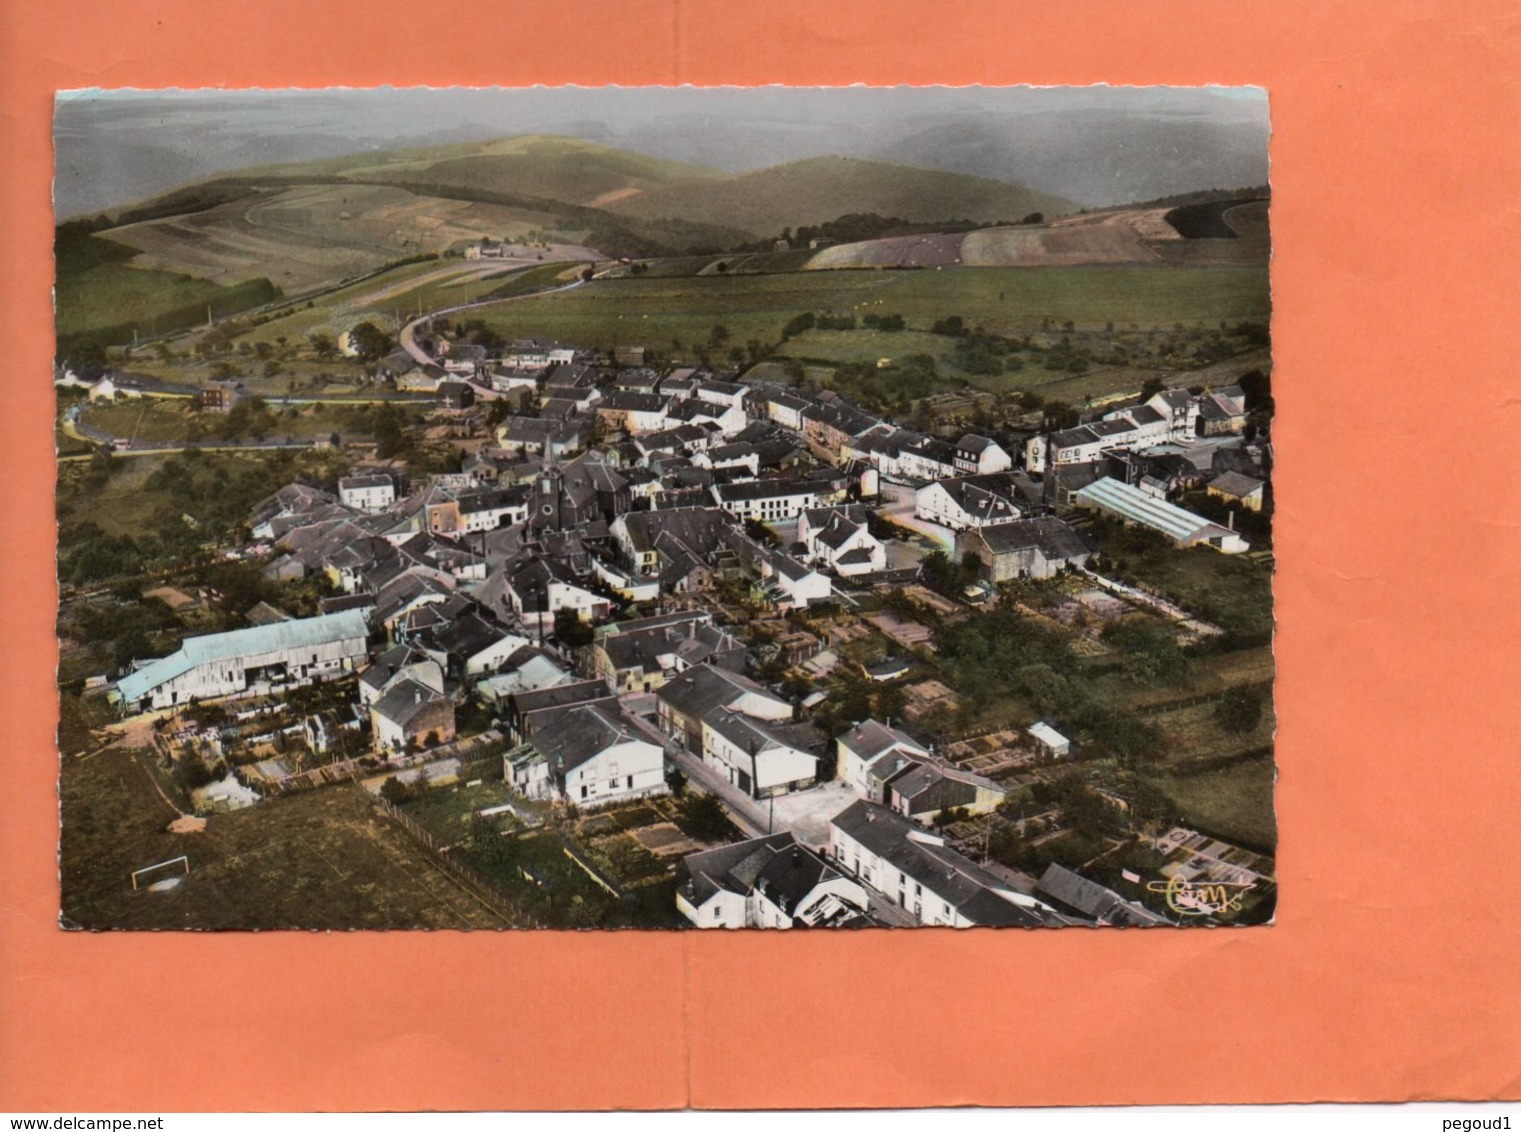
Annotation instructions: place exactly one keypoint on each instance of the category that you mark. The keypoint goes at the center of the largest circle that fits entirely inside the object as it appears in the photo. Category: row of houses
(1172, 415)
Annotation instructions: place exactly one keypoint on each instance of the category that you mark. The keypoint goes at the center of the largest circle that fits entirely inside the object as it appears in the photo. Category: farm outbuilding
(281, 655)
(1135, 506)
(1051, 739)
(1233, 487)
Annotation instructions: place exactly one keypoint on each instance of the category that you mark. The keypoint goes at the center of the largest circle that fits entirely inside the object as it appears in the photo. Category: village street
(804, 814)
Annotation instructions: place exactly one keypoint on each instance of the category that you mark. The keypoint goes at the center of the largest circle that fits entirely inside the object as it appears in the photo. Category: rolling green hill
(817, 189)
(300, 228)
(562, 169)
(569, 170)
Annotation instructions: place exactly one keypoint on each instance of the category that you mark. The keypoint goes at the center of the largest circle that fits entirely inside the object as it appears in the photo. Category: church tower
(546, 511)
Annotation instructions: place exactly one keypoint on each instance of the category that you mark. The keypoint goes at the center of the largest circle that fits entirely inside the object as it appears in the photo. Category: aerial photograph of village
(664, 508)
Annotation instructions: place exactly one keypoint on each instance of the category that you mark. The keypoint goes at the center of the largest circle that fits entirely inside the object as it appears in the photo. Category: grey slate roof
(701, 692)
(1234, 483)
(871, 738)
(1052, 537)
(405, 702)
(970, 889)
(569, 736)
(1093, 900)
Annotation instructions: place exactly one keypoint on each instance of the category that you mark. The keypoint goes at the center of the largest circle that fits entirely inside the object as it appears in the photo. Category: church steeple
(548, 499)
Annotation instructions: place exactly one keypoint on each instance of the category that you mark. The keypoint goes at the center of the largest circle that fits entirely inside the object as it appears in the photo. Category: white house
(980, 456)
(730, 419)
(839, 538)
(1180, 409)
(491, 509)
(968, 501)
(1051, 740)
(769, 501)
(917, 871)
(767, 882)
(687, 701)
(863, 748)
(759, 757)
(589, 754)
(744, 456)
(925, 459)
(784, 581)
(535, 590)
(371, 493)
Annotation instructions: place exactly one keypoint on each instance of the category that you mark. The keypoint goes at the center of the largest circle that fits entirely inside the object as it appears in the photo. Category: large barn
(285, 654)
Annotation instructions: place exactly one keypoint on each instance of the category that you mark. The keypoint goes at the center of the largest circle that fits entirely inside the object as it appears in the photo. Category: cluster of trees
(388, 423)
(1150, 650)
(827, 320)
(1001, 652)
(250, 419)
(136, 628)
(1066, 357)
(703, 818)
(978, 351)
(941, 574)
(1233, 592)
(909, 379)
(370, 343)
(853, 698)
(1091, 820)
(191, 773)
(856, 226)
(1240, 711)
(218, 490)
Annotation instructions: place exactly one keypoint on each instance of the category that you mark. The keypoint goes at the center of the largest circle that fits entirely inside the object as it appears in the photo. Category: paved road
(753, 817)
(408, 336)
(747, 813)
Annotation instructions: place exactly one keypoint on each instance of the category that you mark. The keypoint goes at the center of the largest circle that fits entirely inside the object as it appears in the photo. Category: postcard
(593, 508)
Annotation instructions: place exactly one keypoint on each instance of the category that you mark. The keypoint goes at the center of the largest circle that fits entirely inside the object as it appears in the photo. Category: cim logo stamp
(1201, 898)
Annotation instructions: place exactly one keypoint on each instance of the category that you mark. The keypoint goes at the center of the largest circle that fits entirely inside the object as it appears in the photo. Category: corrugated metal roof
(1136, 505)
(307, 632)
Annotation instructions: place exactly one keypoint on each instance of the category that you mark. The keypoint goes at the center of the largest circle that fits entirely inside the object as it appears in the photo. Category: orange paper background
(1391, 972)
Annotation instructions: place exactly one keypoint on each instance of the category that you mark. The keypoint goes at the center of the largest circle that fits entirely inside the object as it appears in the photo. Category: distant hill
(818, 189)
(569, 170)
(568, 190)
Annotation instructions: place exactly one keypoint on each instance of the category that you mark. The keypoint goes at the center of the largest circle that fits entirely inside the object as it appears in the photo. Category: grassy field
(306, 235)
(1194, 733)
(100, 290)
(320, 860)
(119, 506)
(870, 346)
(1004, 300)
(176, 421)
(1233, 591)
(533, 869)
(1234, 803)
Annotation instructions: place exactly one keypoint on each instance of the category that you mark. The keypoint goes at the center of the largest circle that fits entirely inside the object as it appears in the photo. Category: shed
(1052, 740)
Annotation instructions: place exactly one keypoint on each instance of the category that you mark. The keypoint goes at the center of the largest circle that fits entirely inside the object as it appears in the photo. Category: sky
(1095, 145)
